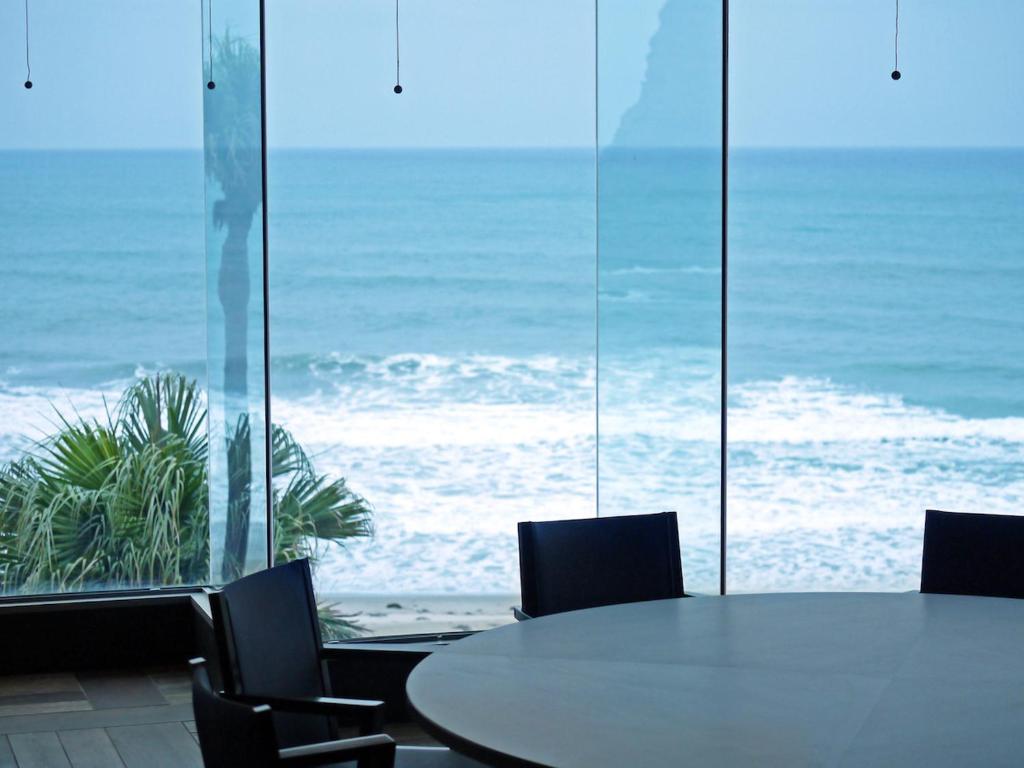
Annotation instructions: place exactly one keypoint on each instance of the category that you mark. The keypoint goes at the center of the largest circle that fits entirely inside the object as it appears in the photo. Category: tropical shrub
(124, 502)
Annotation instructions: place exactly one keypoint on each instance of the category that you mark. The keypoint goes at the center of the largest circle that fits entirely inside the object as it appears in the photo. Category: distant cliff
(680, 103)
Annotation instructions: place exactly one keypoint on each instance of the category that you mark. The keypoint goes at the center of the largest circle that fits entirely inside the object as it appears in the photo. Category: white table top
(851, 679)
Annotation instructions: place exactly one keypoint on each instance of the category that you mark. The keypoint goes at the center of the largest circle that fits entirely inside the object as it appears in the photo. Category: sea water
(472, 338)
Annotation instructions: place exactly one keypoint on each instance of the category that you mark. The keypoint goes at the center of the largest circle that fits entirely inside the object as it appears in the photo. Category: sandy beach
(382, 615)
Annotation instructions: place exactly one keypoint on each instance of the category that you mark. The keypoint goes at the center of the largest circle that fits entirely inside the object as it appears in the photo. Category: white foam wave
(432, 379)
(29, 414)
(827, 485)
(797, 410)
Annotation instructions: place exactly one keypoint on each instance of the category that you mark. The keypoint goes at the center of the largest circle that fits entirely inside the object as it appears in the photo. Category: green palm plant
(123, 503)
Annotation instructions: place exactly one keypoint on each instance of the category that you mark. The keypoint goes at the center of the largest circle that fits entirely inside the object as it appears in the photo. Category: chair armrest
(369, 714)
(377, 751)
(520, 615)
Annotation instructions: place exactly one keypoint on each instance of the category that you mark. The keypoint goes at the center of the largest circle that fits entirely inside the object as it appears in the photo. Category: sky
(128, 73)
(816, 73)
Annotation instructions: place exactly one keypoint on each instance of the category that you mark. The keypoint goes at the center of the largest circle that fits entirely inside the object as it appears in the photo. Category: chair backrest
(973, 554)
(565, 565)
(268, 635)
(230, 734)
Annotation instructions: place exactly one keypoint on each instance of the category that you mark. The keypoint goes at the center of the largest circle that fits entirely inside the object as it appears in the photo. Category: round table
(850, 679)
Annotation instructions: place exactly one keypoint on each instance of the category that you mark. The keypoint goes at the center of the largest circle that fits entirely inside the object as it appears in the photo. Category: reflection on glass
(660, 86)
(102, 408)
(433, 290)
(232, 138)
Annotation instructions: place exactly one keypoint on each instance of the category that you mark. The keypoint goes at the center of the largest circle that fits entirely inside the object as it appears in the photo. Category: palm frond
(308, 508)
(126, 503)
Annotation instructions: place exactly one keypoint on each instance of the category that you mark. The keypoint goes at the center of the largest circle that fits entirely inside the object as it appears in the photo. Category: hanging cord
(896, 46)
(209, 26)
(398, 56)
(28, 61)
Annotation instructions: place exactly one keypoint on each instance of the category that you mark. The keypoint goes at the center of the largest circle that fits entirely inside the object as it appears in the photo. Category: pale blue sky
(816, 72)
(126, 73)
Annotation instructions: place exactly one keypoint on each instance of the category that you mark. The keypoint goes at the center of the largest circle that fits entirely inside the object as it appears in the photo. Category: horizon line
(534, 148)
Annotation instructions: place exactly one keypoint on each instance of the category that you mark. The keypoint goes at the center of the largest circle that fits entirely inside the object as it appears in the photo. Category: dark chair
(565, 565)
(233, 734)
(973, 554)
(271, 652)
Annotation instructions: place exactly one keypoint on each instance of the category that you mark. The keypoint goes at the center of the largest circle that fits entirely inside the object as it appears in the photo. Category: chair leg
(383, 757)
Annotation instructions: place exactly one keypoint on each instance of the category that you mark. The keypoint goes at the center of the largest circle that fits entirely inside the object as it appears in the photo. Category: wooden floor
(125, 720)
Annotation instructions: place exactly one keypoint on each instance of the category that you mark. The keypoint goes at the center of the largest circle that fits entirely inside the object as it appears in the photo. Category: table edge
(494, 757)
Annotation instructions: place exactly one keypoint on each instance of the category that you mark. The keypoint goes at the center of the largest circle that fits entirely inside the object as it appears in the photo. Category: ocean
(445, 336)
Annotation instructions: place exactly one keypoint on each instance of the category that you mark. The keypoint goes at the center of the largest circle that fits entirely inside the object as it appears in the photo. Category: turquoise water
(434, 339)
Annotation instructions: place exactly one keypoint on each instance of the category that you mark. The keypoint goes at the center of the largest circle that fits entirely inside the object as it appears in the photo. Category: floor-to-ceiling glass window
(233, 157)
(876, 319)
(432, 295)
(103, 451)
(495, 268)
(660, 224)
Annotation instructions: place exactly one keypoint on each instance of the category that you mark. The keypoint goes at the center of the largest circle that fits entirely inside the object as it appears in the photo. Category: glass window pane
(660, 96)
(235, 317)
(432, 276)
(102, 364)
(876, 321)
